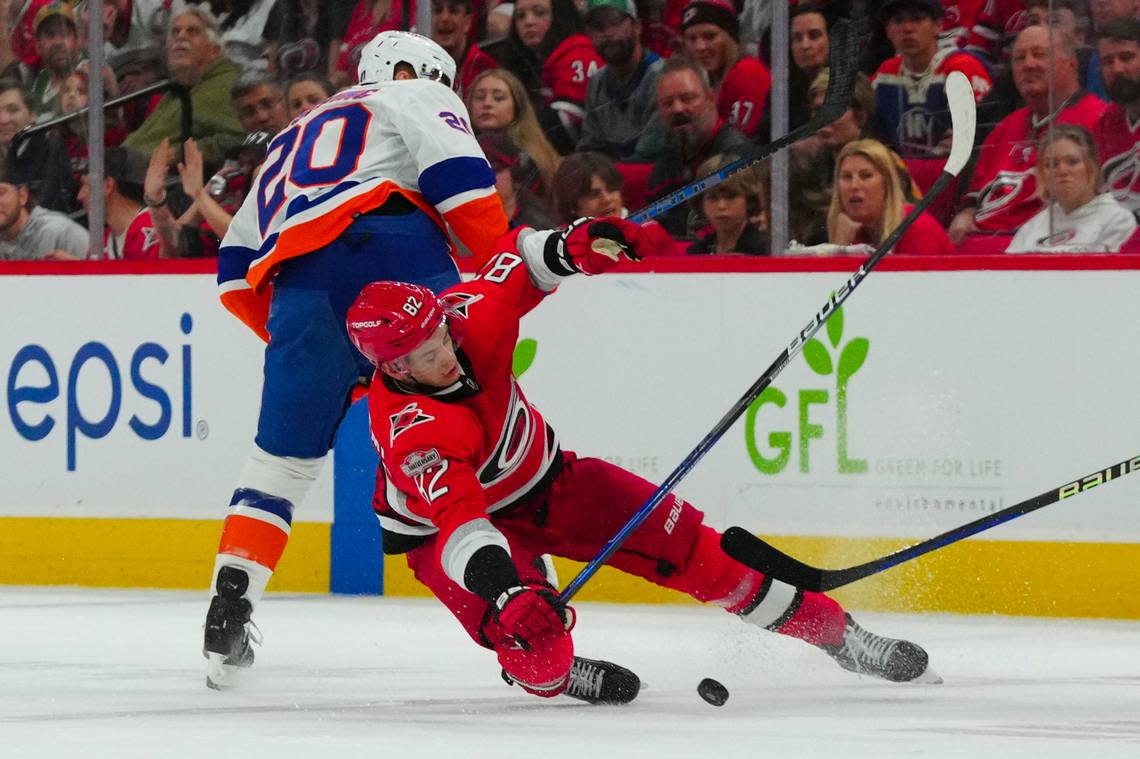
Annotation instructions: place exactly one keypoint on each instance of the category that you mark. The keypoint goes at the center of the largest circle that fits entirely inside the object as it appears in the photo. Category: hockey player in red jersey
(473, 484)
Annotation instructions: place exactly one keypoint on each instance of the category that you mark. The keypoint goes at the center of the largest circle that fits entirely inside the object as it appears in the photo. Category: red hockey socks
(710, 575)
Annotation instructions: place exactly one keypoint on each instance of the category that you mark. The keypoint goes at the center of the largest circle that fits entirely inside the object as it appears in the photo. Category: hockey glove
(593, 245)
(527, 613)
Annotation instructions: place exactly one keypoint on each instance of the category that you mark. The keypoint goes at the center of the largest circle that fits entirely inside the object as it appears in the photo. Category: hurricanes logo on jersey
(1007, 188)
(1122, 175)
(406, 418)
(459, 302)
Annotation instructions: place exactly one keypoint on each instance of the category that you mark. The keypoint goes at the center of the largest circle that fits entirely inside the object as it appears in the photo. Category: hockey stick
(961, 100)
(754, 552)
(843, 60)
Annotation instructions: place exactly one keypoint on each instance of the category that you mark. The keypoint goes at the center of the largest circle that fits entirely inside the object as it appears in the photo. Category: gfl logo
(34, 385)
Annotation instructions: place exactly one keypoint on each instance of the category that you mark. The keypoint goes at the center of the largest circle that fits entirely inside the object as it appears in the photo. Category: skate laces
(866, 647)
(585, 679)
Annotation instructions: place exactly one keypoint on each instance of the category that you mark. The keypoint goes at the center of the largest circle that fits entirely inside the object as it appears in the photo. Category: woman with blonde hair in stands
(867, 203)
(497, 101)
(1078, 218)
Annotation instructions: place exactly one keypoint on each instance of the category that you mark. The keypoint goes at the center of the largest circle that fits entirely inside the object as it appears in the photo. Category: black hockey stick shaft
(763, 557)
(961, 99)
(843, 61)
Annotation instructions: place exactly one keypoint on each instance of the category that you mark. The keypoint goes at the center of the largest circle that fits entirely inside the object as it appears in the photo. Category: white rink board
(979, 389)
(122, 474)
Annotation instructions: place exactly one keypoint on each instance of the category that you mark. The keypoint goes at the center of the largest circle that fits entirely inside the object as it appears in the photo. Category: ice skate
(229, 631)
(866, 653)
(602, 682)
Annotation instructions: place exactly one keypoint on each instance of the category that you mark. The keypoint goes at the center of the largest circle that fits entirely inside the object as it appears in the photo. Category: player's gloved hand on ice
(526, 613)
(593, 245)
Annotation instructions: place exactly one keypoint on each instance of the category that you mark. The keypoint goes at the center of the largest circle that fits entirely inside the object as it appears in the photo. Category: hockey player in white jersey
(360, 188)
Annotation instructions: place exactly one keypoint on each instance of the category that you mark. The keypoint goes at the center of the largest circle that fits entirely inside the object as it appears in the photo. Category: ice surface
(97, 674)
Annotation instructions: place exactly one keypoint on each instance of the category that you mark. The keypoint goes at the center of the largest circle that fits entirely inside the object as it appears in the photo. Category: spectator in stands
(195, 61)
(369, 18)
(911, 112)
(1104, 12)
(241, 27)
(1117, 133)
(687, 105)
(43, 161)
(810, 46)
(73, 134)
(1003, 192)
(130, 232)
(300, 33)
(135, 69)
(30, 233)
(451, 22)
(305, 91)
(1003, 99)
(515, 173)
(958, 18)
(58, 48)
(868, 204)
(19, 58)
(588, 184)
(550, 55)
(710, 33)
(1078, 219)
(259, 103)
(621, 99)
(735, 210)
(498, 102)
(128, 25)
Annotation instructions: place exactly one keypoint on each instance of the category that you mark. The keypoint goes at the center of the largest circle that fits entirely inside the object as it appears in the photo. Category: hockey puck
(712, 691)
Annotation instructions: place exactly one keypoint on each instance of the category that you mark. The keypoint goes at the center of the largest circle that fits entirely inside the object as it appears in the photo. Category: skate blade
(928, 677)
(218, 674)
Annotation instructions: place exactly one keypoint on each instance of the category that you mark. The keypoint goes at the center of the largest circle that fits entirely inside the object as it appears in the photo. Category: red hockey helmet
(389, 320)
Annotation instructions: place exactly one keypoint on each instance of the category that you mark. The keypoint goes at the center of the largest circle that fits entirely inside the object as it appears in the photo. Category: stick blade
(963, 115)
(753, 552)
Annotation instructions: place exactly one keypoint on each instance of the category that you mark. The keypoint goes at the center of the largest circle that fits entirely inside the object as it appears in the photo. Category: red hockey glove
(528, 613)
(594, 245)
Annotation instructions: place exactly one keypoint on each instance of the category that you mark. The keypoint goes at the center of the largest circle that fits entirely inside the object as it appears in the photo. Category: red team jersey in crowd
(1118, 143)
(345, 157)
(456, 455)
(1004, 186)
(139, 243)
(361, 29)
(958, 19)
(911, 111)
(475, 62)
(995, 27)
(565, 75)
(925, 237)
(743, 94)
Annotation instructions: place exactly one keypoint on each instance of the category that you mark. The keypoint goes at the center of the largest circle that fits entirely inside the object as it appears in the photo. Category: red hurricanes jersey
(1118, 142)
(957, 19)
(139, 243)
(996, 24)
(455, 455)
(475, 62)
(565, 75)
(1004, 186)
(743, 94)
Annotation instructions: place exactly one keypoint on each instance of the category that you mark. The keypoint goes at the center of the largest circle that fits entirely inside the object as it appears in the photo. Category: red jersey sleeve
(926, 237)
(141, 242)
(564, 78)
(743, 95)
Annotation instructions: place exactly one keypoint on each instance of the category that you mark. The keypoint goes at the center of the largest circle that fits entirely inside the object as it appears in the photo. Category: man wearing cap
(57, 45)
(451, 29)
(911, 111)
(621, 97)
(710, 35)
(130, 233)
(30, 234)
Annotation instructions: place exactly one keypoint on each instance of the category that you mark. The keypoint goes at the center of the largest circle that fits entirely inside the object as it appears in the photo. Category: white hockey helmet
(379, 57)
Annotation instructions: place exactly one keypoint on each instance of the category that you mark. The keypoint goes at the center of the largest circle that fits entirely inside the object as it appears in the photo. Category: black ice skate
(602, 682)
(228, 639)
(865, 653)
(597, 682)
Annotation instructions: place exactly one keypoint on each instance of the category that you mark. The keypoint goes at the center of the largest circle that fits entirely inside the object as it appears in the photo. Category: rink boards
(939, 397)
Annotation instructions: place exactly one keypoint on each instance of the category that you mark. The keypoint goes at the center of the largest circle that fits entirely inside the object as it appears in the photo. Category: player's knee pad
(287, 478)
(666, 538)
(544, 669)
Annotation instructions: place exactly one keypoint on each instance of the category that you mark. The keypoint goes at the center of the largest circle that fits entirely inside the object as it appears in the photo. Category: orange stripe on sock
(253, 539)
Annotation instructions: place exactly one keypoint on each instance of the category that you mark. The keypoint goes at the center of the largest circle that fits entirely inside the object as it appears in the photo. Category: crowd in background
(592, 107)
